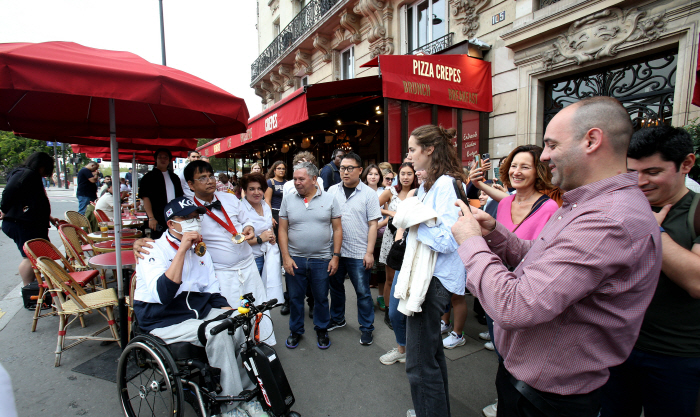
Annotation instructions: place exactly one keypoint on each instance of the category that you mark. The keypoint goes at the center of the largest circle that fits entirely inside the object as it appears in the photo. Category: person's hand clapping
(472, 222)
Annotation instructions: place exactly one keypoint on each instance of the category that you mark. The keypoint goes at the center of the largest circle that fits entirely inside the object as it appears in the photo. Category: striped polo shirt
(360, 208)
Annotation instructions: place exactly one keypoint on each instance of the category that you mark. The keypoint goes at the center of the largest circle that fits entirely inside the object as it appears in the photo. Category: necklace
(524, 200)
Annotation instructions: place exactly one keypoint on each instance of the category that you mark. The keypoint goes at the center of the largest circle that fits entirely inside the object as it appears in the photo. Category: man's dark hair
(671, 143)
(159, 150)
(39, 160)
(191, 152)
(356, 157)
(197, 167)
(336, 152)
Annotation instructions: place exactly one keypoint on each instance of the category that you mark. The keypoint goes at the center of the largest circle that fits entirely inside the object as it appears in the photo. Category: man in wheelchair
(177, 293)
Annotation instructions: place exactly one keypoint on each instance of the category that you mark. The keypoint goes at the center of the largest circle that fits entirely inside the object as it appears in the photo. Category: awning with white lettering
(446, 80)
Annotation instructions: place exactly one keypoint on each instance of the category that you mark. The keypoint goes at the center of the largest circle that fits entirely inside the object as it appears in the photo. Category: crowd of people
(582, 257)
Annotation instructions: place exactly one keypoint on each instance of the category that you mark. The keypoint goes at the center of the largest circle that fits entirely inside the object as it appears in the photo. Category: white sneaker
(453, 340)
(445, 328)
(485, 336)
(411, 413)
(392, 356)
(253, 408)
(491, 410)
(489, 346)
(236, 412)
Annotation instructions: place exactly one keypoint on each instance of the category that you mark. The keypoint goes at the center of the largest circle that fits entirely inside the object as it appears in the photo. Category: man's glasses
(347, 169)
(204, 180)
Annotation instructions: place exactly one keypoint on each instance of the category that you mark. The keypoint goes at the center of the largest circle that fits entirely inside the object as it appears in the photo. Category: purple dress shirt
(574, 304)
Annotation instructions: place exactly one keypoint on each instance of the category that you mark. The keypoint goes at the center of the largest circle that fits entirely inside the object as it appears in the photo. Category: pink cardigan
(532, 226)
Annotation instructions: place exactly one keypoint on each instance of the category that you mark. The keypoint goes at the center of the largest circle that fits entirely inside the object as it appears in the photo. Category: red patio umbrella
(62, 89)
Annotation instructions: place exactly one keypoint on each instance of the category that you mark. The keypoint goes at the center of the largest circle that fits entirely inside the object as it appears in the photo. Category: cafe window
(305, 81)
(426, 21)
(347, 63)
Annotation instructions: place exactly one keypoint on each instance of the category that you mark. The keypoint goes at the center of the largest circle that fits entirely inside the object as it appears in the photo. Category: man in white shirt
(225, 217)
(191, 156)
(106, 202)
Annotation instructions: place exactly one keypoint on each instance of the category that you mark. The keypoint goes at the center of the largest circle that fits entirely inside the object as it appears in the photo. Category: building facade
(544, 54)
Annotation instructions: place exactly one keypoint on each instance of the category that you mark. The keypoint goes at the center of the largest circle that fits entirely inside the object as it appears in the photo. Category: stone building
(543, 55)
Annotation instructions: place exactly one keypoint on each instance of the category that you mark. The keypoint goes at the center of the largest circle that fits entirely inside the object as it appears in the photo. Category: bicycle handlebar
(237, 321)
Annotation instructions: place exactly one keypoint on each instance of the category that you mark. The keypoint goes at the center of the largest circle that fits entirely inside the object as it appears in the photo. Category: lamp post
(162, 31)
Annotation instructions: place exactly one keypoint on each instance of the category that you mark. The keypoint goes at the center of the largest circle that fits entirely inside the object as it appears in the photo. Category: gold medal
(238, 238)
(200, 249)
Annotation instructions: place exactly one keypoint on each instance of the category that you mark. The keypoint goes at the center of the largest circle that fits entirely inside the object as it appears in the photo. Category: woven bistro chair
(71, 300)
(39, 247)
(129, 301)
(73, 238)
(101, 216)
(73, 217)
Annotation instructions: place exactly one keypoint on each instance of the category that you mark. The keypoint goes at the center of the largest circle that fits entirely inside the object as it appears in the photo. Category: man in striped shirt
(574, 303)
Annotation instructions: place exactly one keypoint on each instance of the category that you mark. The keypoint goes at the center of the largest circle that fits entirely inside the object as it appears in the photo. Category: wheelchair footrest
(244, 396)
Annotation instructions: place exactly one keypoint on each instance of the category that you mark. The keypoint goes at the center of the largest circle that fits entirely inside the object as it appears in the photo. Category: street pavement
(345, 380)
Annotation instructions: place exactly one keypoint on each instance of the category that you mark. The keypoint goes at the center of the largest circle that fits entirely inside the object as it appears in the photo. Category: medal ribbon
(228, 225)
(173, 244)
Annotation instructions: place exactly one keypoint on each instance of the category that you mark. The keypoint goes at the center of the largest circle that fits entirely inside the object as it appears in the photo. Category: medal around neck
(200, 249)
(238, 238)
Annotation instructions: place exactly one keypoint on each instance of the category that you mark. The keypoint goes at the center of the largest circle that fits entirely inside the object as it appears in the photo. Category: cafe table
(109, 260)
(108, 245)
(109, 235)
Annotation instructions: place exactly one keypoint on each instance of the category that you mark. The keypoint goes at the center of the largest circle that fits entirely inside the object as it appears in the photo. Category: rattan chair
(130, 304)
(73, 217)
(74, 239)
(101, 216)
(71, 300)
(39, 247)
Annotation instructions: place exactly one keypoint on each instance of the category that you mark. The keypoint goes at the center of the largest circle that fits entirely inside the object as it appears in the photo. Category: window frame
(351, 50)
(412, 26)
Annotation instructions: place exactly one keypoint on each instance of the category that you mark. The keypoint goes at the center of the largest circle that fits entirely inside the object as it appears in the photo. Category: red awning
(446, 80)
(296, 108)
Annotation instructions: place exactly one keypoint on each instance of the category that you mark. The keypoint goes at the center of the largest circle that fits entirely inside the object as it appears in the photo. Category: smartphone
(477, 160)
(486, 156)
(497, 174)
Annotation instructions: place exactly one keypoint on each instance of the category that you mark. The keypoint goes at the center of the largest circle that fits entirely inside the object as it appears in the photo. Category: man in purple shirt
(574, 303)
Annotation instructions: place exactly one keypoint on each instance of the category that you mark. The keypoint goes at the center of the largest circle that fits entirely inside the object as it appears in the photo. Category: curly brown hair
(253, 177)
(304, 155)
(544, 174)
(444, 159)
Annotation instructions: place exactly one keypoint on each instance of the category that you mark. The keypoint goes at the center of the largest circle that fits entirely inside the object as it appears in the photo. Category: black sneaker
(366, 338)
(284, 310)
(323, 341)
(333, 325)
(311, 312)
(293, 340)
(387, 320)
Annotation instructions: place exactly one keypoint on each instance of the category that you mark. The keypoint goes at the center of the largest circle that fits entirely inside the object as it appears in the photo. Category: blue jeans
(260, 262)
(398, 319)
(662, 385)
(489, 324)
(82, 204)
(359, 276)
(425, 359)
(308, 271)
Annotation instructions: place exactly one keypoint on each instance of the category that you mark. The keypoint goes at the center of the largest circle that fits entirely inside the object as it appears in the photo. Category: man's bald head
(606, 114)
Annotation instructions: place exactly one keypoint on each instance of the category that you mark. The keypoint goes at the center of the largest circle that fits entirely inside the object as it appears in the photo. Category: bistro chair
(73, 217)
(130, 304)
(39, 247)
(101, 216)
(71, 300)
(74, 239)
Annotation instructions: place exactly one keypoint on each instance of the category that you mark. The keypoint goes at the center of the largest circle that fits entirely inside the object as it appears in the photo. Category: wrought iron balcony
(435, 46)
(309, 16)
(545, 3)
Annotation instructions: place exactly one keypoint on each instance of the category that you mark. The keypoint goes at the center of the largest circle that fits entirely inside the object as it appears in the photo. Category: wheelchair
(156, 379)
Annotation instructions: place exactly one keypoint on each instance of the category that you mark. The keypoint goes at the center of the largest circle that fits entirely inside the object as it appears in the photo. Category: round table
(125, 222)
(108, 245)
(109, 235)
(109, 260)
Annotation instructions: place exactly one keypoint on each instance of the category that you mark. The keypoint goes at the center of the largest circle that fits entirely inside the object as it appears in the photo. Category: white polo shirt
(224, 252)
(260, 224)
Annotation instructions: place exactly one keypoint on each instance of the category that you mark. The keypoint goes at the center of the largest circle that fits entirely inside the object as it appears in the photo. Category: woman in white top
(372, 176)
(259, 213)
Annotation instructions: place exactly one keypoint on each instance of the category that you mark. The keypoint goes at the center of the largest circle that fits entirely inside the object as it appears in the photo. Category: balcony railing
(435, 46)
(309, 16)
(545, 3)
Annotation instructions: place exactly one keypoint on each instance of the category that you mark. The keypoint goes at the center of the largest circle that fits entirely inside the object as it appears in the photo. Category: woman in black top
(25, 208)
(274, 193)
(156, 189)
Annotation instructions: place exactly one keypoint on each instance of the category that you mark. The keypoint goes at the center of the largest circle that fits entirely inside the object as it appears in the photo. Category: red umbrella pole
(114, 148)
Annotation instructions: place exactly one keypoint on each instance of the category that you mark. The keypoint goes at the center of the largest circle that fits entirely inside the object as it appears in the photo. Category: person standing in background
(275, 189)
(187, 192)
(157, 188)
(330, 174)
(87, 186)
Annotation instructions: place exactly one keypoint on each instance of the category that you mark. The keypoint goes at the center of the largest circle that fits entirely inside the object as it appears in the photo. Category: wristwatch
(336, 254)
(259, 239)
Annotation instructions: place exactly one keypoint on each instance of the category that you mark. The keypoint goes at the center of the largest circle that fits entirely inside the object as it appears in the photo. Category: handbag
(394, 258)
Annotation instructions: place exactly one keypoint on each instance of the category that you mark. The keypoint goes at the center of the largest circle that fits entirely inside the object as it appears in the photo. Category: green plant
(694, 129)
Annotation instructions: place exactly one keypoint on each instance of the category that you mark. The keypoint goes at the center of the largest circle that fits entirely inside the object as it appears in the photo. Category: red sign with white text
(447, 80)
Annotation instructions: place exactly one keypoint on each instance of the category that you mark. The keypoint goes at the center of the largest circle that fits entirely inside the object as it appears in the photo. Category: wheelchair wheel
(147, 381)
